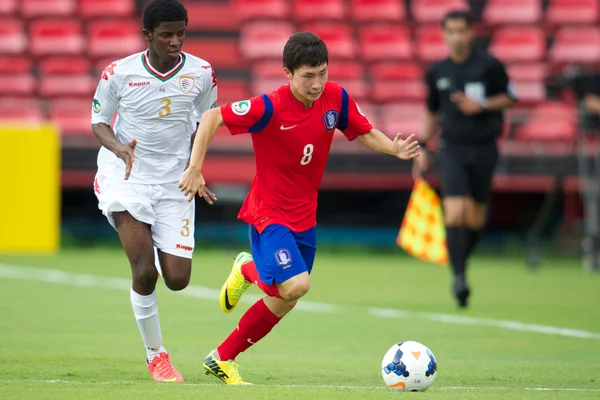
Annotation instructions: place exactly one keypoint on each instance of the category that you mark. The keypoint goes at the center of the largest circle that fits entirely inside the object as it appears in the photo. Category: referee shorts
(466, 170)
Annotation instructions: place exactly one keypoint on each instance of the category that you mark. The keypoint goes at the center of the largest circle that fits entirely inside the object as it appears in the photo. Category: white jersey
(159, 110)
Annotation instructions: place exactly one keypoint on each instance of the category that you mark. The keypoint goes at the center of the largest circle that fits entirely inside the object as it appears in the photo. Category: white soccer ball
(409, 366)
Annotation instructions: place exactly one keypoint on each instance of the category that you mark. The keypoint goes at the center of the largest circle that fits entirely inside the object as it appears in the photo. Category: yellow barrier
(30, 188)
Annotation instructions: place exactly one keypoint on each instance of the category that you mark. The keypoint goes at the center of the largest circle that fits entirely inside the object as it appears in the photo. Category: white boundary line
(201, 292)
(119, 383)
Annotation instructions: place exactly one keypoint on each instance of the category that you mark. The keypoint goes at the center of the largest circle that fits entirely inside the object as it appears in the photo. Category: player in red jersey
(292, 130)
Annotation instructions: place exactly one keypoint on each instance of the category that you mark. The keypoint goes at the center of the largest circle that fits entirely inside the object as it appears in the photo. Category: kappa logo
(331, 119)
(283, 258)
(186, 83)
(138, 84)
(184, 247)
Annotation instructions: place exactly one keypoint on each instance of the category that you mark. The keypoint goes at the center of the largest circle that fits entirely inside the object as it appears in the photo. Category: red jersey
(291, 146)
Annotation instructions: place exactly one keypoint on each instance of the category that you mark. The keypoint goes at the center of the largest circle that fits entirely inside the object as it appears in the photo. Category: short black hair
(458, 14)
(304, 49)
(158, 11)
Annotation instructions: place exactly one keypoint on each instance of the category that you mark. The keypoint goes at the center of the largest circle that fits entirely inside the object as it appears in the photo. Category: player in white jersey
(159, 96)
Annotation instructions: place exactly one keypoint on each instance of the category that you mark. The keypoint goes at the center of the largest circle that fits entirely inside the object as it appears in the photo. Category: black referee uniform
(467, 147)
(468, 152)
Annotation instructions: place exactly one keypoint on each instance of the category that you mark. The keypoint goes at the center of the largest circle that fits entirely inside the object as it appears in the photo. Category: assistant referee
(467, 93)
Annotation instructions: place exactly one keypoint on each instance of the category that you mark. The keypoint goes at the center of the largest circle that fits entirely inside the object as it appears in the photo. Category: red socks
(254, 325)
(251, 275)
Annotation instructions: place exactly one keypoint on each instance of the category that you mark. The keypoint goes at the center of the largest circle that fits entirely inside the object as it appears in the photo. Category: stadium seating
(47, 8)
(377, 11)
(17, 84)
(432, 11)
(498, 12)
(108, 8)
(318, 10)
(576, 45)
(15, 64)
(72, 115)
(338, 36)
(214, 17)
(515, 44)
(263, 40)
(114, 37)
(12, 35)
(20, 110)
(403, 117)
(573, 12)
(429, 43)
(8, 7)
(248, 10)
(55, 37)
(385, 42)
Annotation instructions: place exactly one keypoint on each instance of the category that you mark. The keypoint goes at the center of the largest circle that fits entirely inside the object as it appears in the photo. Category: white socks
(145, 310)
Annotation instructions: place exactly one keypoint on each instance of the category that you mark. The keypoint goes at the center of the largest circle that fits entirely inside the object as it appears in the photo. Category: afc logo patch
(331, 119)
(283, 258)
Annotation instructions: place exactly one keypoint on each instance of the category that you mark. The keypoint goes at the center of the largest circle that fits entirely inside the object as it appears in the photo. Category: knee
(144, 277)
(176, 283)
(294, 289)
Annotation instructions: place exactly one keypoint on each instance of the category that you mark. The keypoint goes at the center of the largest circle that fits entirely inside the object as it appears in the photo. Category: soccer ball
(409, 366)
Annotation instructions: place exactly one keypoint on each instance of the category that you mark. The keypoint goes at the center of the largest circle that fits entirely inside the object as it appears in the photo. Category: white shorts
(162, 206)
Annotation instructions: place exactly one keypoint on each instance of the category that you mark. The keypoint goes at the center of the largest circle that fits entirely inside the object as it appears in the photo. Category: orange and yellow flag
(422, 234)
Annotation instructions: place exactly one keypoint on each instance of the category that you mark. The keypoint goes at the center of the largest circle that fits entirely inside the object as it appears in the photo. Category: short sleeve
(208, 97)
(248, 116)
(353, 122)
(105, 102)
(433, 96)
(499, 81)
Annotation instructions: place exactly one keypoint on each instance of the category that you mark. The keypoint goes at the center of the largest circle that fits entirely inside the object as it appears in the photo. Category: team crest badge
(241, 107)
(186, 83)
(283, 258)
(331, 119)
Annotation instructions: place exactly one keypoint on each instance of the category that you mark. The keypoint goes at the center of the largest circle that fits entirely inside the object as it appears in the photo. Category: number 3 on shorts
(308, 153)
(185, 229)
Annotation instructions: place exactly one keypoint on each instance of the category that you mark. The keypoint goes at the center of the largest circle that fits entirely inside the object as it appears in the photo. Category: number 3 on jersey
(308, 153)
(165, 109)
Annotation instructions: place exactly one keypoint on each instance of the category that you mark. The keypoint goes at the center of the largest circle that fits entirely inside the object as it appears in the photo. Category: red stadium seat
(573, 12)
(56, 85)
(545, 129)
(528, 72)
(21, 110)
(47, 8)
(109, 8)
(385, 42)
(64, 65)
(55, 36)
(266, 85)
(405, 118)
(429, 43)
(232, 90)
(8, 7)
(377, 11)
(263, 40)
(346, 70)
(337, 36)
(267, 69)
(576, 45)
(12, 36)
(498, 12)
(428, 11)
(67, 76)
(529, 91)
(396, 71)
(17, 84)
(73, 116)
(15, 65)
(212, 16)
(512, 44)
(384, 91)
(114, 37)
(248, 10)
(318, 10)
(555, 109)
(220, 52)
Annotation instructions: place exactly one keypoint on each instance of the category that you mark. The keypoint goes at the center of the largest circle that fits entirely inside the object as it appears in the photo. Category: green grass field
(65, 335)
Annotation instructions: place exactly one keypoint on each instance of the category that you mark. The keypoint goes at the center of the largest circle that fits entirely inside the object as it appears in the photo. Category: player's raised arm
(354, 124)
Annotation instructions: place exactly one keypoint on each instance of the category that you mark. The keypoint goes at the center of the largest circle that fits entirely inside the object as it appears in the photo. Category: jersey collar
(294, 103)
(166, 76)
